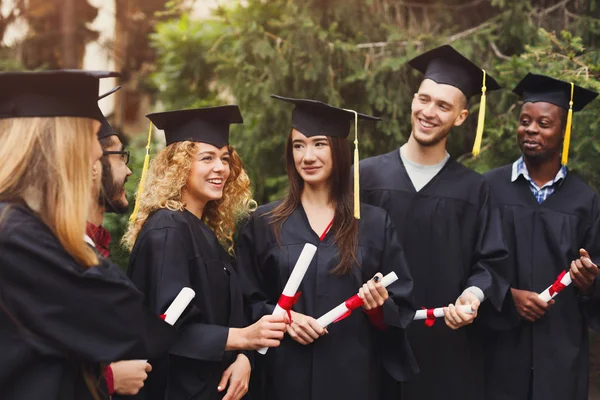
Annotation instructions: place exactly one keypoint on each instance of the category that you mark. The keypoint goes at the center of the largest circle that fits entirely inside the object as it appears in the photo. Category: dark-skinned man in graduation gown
(447, 226)
(551, 221)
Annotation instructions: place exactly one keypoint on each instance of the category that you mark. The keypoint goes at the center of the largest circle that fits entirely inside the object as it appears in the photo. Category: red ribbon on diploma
(352, 303)
(287, 302)
(430, 320)
(162, 316)
(557, 286)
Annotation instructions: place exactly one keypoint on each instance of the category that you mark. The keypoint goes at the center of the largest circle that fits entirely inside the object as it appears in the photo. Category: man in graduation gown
(551, 222)
(128, 376)
(447, 227)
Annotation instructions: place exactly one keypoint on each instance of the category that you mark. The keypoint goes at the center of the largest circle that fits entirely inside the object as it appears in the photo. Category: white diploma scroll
(183, 299)
(347, 306)
(178, 305)
(439, 312)
(563, 280)
(291, 286)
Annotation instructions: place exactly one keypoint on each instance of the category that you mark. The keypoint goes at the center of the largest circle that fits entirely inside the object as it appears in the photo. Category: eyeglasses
(124, 154)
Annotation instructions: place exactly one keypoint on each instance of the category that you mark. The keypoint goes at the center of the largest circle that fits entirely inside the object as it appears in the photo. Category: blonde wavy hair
(46, 164)
(166, 182)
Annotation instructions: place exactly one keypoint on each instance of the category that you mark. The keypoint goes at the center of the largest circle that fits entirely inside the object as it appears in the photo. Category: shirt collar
(520, 168)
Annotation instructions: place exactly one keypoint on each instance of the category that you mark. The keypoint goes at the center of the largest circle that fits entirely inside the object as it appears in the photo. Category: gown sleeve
(592, 245)
(490, 254)
(93, 314)
(250, 272)
(162, 266)
(398, 310)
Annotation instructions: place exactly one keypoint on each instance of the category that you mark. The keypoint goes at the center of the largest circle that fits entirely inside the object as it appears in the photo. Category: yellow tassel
(567, 140)
(480, 120)
(356, 168)
(143, 178)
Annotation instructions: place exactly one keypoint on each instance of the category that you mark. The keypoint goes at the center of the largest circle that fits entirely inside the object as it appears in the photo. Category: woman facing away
(197, 190)
(63, 312)
(344, 360)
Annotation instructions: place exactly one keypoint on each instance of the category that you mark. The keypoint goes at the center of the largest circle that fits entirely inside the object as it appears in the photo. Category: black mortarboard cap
(447, 66)
(56, 93)
(313, 118)
(208, 125)
(535, 88)
(106, 129)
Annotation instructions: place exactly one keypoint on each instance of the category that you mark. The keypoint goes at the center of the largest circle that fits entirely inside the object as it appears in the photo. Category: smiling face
(312, 157)
(436, 108)
(210, 170)
(540, 131)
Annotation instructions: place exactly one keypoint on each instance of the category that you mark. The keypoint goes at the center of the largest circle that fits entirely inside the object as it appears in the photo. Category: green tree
(354, 53)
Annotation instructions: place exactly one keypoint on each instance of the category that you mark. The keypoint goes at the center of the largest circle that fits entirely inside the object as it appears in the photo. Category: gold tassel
(356, 168)
(143, 178)
(567, 140)
(480, 120)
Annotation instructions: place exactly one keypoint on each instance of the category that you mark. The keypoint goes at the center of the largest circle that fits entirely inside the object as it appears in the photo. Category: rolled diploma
(183, 299)
(546, 296)
(340, 310)
(291, 286)
(439, 312)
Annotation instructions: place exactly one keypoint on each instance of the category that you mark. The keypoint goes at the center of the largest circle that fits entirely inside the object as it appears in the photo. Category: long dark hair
(345, 226)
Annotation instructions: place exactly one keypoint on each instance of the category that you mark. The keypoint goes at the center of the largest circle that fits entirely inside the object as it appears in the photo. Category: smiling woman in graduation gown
(547, 358)
(63, 311)
(197, 189)
(345, 363)
(447, 226)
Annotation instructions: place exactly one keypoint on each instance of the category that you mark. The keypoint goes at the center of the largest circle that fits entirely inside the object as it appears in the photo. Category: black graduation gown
(346, 363)
(452, 239)
(58, 319)
(551, 354)
(176, 249)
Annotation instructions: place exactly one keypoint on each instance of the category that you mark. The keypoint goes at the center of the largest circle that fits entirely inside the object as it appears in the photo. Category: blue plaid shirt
(541, 193)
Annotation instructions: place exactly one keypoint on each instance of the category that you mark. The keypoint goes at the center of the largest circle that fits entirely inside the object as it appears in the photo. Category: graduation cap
(315, 118)
(57, 93)
(208, 125)
(106, 129)
(540, 88)
(445, 65)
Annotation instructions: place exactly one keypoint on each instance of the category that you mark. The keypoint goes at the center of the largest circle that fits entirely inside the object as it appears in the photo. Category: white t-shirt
(419, 174)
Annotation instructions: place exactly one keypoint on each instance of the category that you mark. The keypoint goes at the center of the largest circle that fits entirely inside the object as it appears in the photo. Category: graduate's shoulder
(19, 223)
(265, 210)
(499, 176)
(378, 172)
(380, 163)
(164, 218)
(372, 214)
(579, 191)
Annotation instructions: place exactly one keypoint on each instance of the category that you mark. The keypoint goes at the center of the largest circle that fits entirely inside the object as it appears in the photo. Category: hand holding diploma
(290, 291)
(305, 329)
(373, 293)
(583, 273)
(455, 318)
(346, 308)
(430, 314)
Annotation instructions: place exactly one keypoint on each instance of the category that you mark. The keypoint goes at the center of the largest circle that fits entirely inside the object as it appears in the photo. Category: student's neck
(543, 171)
(315, 196)
(194, 206)
(96, 214)
(424, 155)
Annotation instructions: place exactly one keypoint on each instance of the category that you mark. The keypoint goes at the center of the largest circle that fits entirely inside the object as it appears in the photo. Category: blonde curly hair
(166, 182)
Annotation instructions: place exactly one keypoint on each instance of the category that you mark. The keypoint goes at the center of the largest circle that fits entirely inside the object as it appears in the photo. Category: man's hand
(583, 273)
(455, 318)
(529, 305)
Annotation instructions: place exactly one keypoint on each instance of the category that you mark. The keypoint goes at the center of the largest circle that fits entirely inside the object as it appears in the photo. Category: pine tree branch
(438, 6)
(498, 53)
